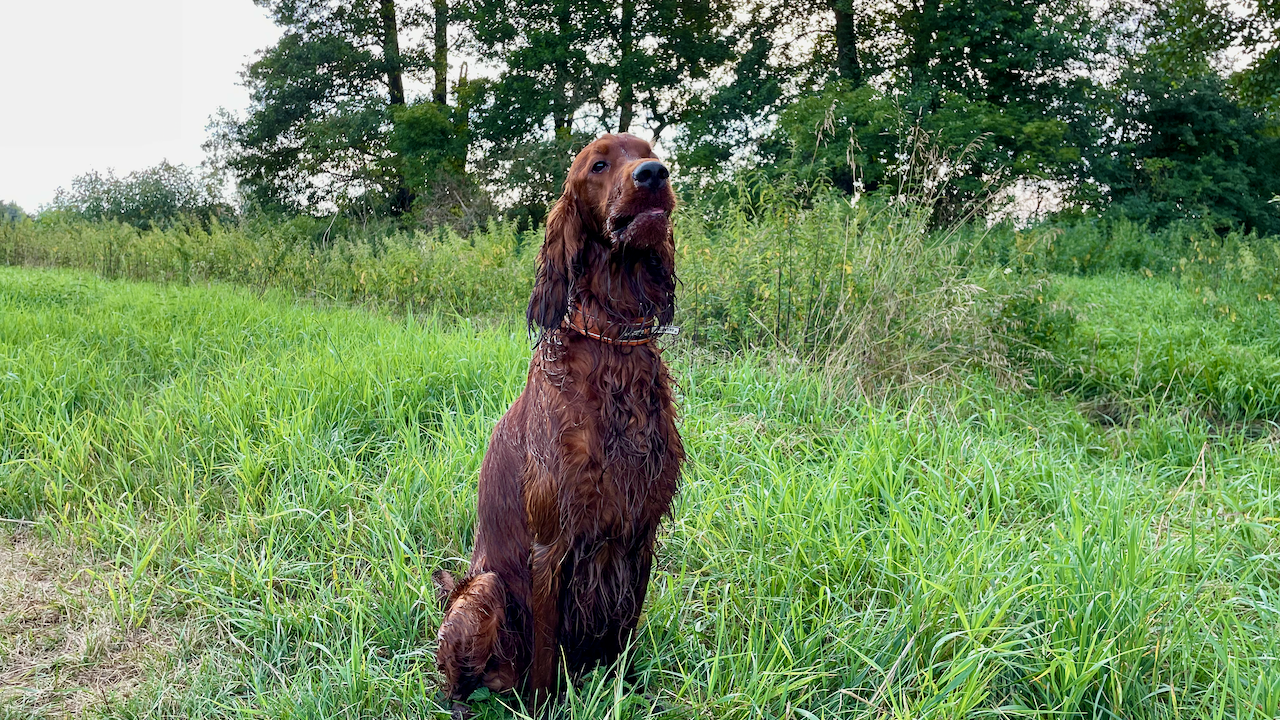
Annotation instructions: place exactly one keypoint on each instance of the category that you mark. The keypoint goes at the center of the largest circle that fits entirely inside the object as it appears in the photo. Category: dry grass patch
(61, 649)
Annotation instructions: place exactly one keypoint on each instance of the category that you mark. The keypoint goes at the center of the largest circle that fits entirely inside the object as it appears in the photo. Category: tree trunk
(391, 51)
(846, 36)
(440, 60)
(561, 112)
(626, 84)
(402, 198)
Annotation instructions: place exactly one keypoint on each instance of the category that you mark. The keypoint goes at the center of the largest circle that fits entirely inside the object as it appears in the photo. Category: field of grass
(220, 503)
(1143, 339)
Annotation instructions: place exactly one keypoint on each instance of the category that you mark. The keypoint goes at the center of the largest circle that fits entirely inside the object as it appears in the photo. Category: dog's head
(617, 203)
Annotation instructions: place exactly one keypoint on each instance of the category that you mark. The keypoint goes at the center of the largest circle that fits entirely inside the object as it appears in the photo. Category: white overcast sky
(123, 84)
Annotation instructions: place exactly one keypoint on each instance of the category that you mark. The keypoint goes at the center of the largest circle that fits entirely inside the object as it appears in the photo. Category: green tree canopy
(155, 197)
(1162, 108)
(571, 69)
(11, 212)
(325, 103)
(1185, 149)
(1008, 70)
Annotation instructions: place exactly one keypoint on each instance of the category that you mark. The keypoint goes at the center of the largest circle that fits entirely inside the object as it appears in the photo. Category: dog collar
(639, 332)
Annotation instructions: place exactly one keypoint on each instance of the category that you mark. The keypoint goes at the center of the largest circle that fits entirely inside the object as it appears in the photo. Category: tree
(152, 198)
(1185, 149)
(11, 212)
(325, 101)
(1192, 125)
(1024, 61)
(546, 75)
(664, 52)
(785, 50)
(1211, 37)
(571, 69)
(1009, 71)
(605, 65)
(734, 119)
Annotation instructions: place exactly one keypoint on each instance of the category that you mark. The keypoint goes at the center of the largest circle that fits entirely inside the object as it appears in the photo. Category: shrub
(10, 212)
(1190, 151)
(157, 197)
(862, 287)
(1231, 268)
(1200, 251)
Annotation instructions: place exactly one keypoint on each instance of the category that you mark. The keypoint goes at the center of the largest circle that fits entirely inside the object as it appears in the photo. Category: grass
(1140, 339)
(804, 273)
(279, 481)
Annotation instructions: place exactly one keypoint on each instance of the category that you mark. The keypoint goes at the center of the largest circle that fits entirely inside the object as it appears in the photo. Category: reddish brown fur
(584, 465)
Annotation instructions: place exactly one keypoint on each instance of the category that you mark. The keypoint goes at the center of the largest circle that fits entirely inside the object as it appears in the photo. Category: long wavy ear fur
(557, 264)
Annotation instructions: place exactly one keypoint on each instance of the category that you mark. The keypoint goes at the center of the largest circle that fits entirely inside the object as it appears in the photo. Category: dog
(583, 467)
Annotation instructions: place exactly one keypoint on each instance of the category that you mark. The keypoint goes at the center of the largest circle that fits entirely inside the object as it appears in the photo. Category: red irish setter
(584, 465)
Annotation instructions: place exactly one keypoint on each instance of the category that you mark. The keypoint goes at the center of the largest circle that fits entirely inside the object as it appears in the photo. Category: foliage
(484, 274)
(860, 140)
(573, 69)
(1021, 61)
(1184, 149)
(1005, 71)
(605, 64)
(11, 212)
(283, 480)
(1126, 104)
(430, 142)
(730, 121)
(1238, 41)
(529, 175)
(866, 287)
(156, 197)
(329, 121)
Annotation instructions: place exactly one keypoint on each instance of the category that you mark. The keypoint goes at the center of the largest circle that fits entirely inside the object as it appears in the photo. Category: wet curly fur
(584, 465)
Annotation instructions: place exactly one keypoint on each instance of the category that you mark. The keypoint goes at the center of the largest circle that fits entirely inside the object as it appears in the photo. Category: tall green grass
(1139, 340)
(868, 288)
(490, 272)
(287, 477)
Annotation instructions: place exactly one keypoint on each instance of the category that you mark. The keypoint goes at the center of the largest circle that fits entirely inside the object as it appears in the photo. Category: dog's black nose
(651, 174)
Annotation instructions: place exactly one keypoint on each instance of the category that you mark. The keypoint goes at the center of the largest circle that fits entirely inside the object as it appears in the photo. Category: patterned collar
(639, 332)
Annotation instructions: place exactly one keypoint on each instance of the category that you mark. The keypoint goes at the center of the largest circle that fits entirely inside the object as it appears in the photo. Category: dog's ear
(557, 262)
(666, 280)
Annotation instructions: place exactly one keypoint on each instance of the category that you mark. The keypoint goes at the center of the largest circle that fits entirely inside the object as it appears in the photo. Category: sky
(119, 84)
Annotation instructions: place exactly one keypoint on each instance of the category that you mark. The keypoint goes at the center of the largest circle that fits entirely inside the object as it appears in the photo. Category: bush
(1116, 243)
(864, 288)
(1231, 268)
(157, 197)
(1191, 152)
(10, 212)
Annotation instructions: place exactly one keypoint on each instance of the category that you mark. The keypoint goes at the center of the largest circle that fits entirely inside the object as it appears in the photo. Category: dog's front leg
(546, 563)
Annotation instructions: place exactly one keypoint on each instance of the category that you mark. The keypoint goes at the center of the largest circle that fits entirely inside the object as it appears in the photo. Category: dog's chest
(618, 453)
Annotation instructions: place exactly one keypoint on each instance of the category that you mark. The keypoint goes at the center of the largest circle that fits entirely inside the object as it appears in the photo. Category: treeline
(448, 112)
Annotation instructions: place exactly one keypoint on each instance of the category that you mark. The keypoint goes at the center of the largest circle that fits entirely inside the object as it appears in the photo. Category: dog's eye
(599, 166)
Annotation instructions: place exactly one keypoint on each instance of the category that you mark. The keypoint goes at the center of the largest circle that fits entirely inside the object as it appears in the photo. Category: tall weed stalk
(873, 289)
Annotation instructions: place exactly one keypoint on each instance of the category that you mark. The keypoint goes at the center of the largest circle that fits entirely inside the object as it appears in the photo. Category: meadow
(228, 502)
